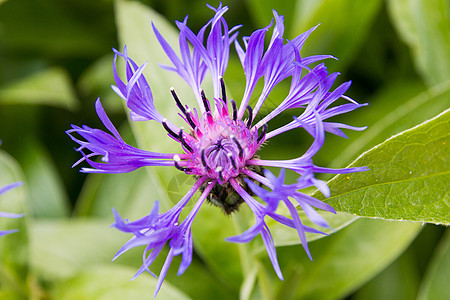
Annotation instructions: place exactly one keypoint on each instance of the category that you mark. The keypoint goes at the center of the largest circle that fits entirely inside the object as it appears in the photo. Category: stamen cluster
(219, 144)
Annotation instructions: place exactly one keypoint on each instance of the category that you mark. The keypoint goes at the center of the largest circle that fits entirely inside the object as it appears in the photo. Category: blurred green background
(55, 60)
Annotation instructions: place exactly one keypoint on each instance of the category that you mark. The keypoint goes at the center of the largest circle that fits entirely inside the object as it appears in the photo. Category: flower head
(220, 142)
(4, 189)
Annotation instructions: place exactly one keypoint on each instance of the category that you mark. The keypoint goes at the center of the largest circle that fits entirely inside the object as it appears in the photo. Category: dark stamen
(205, 101)
(177, 100)
(241, 151)
(204, 160)
(189, 119)
(224, 93)
(183, 141)
(182, 168)
(170, 131)
(233, 103)
(263, 133)
(219, 170)
(176, 159)
(250, 116)
(183, 109)
(230, 157)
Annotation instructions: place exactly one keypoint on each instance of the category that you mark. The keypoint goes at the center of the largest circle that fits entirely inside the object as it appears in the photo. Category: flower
(4, 189)
(220, 146)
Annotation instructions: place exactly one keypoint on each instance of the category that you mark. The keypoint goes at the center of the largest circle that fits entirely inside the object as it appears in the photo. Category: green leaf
(13, 247)
(344, 26)
(398, 281)
(60, 30)
(343, 261)
(48, 197)
(424, 27)
(261, 10)
(211, 284)
(49, 87)
(128, 193)
(385, 117)
(284, 236)
(62, 248)
(408, 177)
(112, 283)
(227, 260)
(435, 283)
(92, 84)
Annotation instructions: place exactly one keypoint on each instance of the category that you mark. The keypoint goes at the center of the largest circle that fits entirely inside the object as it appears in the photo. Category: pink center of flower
(222, 147)
(218, 146)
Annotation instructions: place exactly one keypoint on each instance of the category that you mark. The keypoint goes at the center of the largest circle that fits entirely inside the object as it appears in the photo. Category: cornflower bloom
(219, 146)
(4, 189)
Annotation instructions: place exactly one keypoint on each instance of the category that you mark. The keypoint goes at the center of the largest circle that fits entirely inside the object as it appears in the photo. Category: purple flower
(4, 189)
(219, 147)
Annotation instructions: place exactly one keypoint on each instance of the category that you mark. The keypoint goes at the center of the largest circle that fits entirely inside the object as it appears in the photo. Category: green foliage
(48, 87)
(56, 254)
(385, 117)
(400, 281)
(343, 26)
(435, 284)
(345, 260)
(424, 26)
(13, 247)
(408, 177)
(58, 30)
(48, 198)
(112, 283)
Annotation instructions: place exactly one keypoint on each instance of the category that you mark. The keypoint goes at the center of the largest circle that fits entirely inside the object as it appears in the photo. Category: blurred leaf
(50, 87)
(112, 283)
(13, 247)
(343, 261)
(424, 27)
(386, 117)
(92, 84)
(408, 177)
(198, 272)
(285, 236)
(261, 10)
(8, 294)
(343, 29)
(399, 281)
(60, 29)
(128, 193)
(61, 248)
(48, 196)
(435, 283)
(248, 285)
(227, 260)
